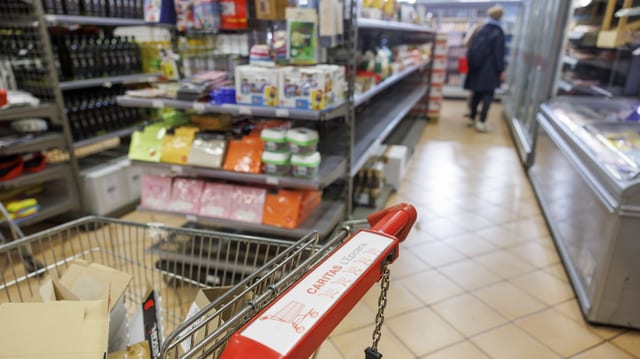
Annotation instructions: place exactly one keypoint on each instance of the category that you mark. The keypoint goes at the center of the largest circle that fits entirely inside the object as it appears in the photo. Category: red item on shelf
(282, 209)
(463, 65)
(234, 14)
(10, 167)
(35, 163)
(3, 97)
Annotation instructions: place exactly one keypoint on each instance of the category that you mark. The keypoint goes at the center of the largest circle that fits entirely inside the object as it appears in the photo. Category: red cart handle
(296, 323)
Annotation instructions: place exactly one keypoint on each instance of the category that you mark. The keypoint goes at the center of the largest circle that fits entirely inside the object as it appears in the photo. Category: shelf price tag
(199, 107)
(273, 180)
(157, 104)
(191, 218)
(176, 169)
(107, 84)
(281, 112)
(243, 110)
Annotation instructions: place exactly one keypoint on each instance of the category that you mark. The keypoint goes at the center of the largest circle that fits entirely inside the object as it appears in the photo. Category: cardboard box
(185, 195)
(64, 330)
(216, 200)
(135, 351)
(156, 192)
(256, 86)
(306, 88)
(92, 281)
(271, 9)
(396, 158)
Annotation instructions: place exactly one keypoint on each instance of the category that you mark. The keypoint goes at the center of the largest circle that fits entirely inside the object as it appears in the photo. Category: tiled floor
(479, 277)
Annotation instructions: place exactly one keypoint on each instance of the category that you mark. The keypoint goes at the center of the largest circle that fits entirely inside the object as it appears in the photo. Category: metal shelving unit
(323, 220)
(236, 109)
(359, 99)
(109, 81)
(381, 201)
(52, 19)
(50, 173)
(107, 136)
(331, 169)
(364, 23)
(30, 143)
(50, 206)
(47, 110)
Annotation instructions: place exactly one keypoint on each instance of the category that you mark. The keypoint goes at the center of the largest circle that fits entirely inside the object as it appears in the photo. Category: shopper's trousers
(486, 97)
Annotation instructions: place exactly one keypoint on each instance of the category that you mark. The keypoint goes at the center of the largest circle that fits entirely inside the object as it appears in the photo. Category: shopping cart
(259, 273)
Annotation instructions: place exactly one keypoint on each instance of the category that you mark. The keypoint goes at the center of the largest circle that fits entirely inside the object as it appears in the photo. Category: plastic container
(305, 166)
(302, 140)
(276, 163)
(275, 139)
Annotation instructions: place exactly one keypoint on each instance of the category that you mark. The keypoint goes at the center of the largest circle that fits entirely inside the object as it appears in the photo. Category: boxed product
(271, 9)
(159, 11)
(247, 204)
(185, 195)
(60, 329)
(206, 14)
(274, 139)
(244, 155)
(305, 165)
(208, 150)
(176, 145)
(146, 324)
(310, 200)
(257, 86)
(216, 200)
(302, 35)
(336, 87)
(105, 188)
(156, 192)
(396, 158)
(304, 88)
(233, 14)
(276, 163)
(282, 209)
(302, 140)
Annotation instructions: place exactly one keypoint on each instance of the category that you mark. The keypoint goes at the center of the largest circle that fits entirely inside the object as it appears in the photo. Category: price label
(244, 110)
(273, 180)
(157, 104)
(176, 169)
(199, 107)
(280, 112)
(191, 218)
(107, 84)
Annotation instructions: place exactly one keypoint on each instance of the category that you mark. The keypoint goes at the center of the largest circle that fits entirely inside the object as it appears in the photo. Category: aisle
(480, 277)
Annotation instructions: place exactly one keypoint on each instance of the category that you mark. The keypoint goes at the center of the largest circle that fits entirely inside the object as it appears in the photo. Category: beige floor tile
(441, 228)
(352, 344)
(501, 237)
(572, 310)
(437, 254)
(497, 215)
(360, 316)
(430, 287)
(469, 274)
(464, 350)
(530, 228)
(469, 244)
(511, 342)
(407, 263)
(544, 287)
(328, 350)
(603, 351)
(399, 299)
(472, 221)
(557, 270)
(562, 334)
(504, 264)
(536, 254)
(423, 331)
(630, 342)
(508, 300)
(468, 314)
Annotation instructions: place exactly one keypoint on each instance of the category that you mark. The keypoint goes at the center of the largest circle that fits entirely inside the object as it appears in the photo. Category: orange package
(244, 155)
(176, 146)
(310, 200)
(282, 209)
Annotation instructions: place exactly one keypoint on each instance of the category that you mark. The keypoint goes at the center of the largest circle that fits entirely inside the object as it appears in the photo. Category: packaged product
(206, 14)
(185, 195)
(244, 155)
(302, 29)
(302, 140)
(256, 85)
(270, 9)
(305, 165)
(208, 149)
(216, 200)
(176, 145)
(274, 139)
(155, 192)
(305, 88)
(247, 204)
(282, 208)
(276, 163)
(233, 14)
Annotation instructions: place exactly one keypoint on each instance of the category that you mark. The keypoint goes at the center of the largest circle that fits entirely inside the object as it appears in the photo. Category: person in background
(485, 58)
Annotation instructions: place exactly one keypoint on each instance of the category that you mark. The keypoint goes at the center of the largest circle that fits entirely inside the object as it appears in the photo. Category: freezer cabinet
(585, 176)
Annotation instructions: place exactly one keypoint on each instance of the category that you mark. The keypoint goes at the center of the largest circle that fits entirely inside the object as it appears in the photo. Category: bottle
(74, 58)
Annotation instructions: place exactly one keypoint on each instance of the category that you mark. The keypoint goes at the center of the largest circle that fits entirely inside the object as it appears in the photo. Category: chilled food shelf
(390, 81)
(235, 109)
(379, 120)
(109, 81)
(323, 220)
(30, 143)
(331, 169)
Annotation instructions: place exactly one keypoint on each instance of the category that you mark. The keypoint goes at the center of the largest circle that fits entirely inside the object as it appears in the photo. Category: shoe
(481, 127)
(471, 122)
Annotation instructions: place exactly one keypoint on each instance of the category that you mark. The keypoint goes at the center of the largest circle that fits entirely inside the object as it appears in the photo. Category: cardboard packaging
(64, 329)
(271, 9)
(305, 88)
(244, 155)
(256, 85)
(135, 351)
(105, 188)
(156, 192)
(247, 204)
(216, 200)
(185, 195)
(302, 36)
(146, 324)
(208, 150)
(176, 146)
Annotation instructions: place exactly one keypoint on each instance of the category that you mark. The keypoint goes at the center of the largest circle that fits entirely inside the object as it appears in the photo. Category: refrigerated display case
(586, 176)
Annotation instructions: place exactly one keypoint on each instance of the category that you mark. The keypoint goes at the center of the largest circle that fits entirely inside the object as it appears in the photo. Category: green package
(302, 33)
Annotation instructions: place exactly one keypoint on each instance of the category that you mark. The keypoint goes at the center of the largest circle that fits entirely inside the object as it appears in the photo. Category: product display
(256, 85)
(186, 195)
(176, 144)
(208, 150)
(103, 8)
(276, 163)
(302, 36)
(302, 140)
(274, 139)
(305, 165)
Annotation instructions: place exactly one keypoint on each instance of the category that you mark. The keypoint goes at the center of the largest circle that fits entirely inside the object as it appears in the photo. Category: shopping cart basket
(257, 269)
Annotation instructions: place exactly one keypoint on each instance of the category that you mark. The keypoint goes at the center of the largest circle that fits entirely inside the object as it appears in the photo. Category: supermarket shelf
(323, 220)
(570, 60)
(390, 81)
(53, 19)
(234, 109)
(451, 91)
(331, 169)
(108, 81)
(360, 212)
(50, 206)
(50, 173)
(380, 120)
(30, 143)
(565, 85)
(107, 136)
(390, 25)
(408, 133)
(43, 110)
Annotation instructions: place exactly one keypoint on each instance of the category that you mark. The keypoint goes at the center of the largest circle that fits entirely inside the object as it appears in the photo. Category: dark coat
(485, 76)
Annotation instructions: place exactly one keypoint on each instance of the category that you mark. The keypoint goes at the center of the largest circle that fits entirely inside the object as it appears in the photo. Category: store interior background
(527, 237)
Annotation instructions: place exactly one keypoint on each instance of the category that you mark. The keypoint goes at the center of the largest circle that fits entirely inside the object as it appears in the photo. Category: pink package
(185, 195)
(156, 192)
(216, 200)
(248, 204)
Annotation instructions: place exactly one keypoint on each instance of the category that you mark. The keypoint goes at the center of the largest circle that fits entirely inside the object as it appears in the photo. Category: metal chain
(382, 304)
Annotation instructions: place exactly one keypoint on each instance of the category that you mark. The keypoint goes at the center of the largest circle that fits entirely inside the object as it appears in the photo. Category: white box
(256, 86)
(305, 88)
(396, 163)
(104, 188)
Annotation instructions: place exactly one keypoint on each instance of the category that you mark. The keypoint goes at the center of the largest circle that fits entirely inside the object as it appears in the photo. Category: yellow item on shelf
(17, 206)
(177, 146)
